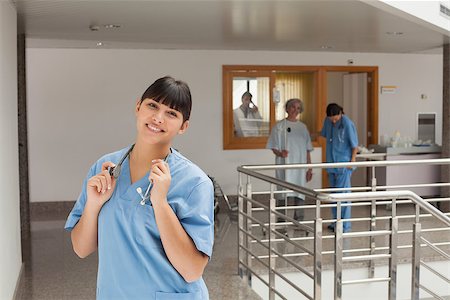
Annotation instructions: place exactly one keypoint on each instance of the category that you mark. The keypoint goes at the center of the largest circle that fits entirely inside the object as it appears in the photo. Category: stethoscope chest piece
(144, 197)
(116, 171)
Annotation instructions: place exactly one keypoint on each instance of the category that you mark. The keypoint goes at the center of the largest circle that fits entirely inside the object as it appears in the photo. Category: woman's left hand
(160, 178)
(309, 175)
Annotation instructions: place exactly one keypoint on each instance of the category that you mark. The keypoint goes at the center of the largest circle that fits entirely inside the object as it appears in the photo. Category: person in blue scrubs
(341, 146)
(153, 226)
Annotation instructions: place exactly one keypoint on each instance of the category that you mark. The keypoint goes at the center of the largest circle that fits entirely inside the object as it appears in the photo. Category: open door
(355, 103)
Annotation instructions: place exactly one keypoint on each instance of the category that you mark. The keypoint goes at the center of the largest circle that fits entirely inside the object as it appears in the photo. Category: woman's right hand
(284, 153)
(101, 186)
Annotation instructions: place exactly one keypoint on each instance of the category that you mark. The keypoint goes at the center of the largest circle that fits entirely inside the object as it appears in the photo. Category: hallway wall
(81, 101)
(10, 252)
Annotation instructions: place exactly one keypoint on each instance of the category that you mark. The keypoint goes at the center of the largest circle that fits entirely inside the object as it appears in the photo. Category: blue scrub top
(132, 261)
(341, 139)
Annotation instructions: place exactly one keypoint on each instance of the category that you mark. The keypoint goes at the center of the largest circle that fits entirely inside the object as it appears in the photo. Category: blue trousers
(342, 180)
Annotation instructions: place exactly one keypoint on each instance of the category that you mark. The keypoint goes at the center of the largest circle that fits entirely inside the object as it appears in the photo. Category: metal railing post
(338, 239)
(241, 269)
(248, 230)
(373, 224)
(393, 259)
(318, 254)
(272, 260)
(247, 239)
(415, 263)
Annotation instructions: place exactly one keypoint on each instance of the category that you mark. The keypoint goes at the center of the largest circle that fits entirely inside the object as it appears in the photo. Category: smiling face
(157, 123)
(293, 110)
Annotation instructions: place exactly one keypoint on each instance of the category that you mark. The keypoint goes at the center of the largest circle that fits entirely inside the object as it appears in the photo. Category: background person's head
(246, 98)
(334, 112)
(294, 107)
(172, 93)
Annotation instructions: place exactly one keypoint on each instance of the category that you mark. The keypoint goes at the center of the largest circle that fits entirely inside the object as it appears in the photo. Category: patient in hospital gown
(291, 143)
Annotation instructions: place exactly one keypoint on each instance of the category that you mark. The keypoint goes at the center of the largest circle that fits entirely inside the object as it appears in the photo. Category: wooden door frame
(372, 103)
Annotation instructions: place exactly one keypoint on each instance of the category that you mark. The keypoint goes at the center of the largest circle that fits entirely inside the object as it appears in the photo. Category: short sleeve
(273, 142)
(353, 136)
(197, 216)
(78, 208)
(324, 128)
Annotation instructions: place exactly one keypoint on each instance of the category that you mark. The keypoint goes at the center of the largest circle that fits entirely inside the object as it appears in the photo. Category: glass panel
(296, 85)
(251, 106)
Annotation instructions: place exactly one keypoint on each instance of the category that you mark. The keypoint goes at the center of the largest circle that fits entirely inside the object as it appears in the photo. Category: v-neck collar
(127, 189)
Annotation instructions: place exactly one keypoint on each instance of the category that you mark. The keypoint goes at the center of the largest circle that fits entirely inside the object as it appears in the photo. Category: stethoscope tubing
(115, 172)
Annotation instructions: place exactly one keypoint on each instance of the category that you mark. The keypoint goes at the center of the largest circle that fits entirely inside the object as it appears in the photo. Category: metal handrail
(361, 196)
(364, 196)
(337, 199)
(384, 163)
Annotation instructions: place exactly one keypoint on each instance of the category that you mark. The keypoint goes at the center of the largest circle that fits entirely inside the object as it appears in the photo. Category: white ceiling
(349, 26)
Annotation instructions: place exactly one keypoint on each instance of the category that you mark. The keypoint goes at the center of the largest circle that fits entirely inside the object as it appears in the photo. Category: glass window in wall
(251, 106)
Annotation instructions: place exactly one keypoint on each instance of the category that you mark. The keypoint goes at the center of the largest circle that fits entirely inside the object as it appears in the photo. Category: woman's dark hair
(173, 93)
(247, 94)
(334, 109)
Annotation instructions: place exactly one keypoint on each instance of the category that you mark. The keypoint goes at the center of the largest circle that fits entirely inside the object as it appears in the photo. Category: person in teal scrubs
(153, 225)
(342, 146)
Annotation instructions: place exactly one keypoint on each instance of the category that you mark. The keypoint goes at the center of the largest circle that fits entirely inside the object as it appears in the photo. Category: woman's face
(335, 119)
(158, 123)
(246, 100)
(293, 110)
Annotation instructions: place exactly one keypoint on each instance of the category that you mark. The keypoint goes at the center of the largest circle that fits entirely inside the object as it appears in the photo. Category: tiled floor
(56, 273)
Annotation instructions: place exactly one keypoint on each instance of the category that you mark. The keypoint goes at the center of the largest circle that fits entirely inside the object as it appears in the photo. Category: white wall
(10, 253)
(81, 101)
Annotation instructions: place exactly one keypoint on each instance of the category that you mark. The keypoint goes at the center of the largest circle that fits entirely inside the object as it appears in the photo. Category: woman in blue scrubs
(342, 146)
(153, 225)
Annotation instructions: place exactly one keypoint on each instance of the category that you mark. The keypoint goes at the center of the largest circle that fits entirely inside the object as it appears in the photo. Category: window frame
(230, 142)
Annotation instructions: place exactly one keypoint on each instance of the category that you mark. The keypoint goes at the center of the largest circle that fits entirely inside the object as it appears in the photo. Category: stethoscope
(339, 127)
(115, 172)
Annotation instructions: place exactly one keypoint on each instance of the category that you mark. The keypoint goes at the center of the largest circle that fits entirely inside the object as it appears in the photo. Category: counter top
(371, 156)
(423, 149)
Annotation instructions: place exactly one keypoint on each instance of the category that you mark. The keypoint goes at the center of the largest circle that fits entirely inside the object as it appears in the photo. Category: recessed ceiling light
(112, 26)
(394, 33)
(94, 27)
(99, 44)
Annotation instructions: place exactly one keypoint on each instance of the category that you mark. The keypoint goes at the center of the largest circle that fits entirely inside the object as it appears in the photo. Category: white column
(10, 252)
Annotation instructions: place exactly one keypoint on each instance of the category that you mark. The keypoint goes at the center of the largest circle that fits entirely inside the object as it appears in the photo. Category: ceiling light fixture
(394, 33)
(93, 28)
(325, 47)
(99, 44)
(112, 26)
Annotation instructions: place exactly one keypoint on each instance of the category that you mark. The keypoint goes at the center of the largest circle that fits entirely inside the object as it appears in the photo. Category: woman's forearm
(179, 247)
(84, 234)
